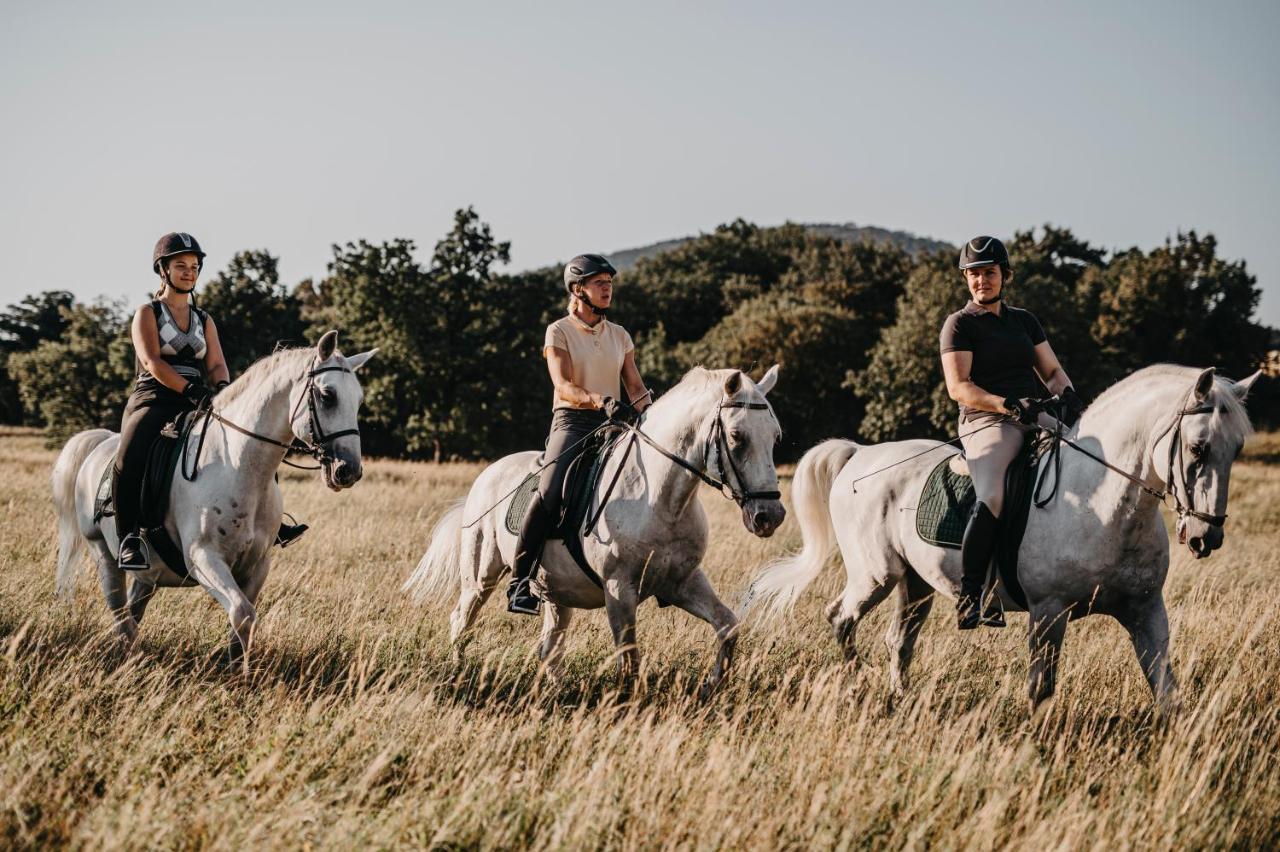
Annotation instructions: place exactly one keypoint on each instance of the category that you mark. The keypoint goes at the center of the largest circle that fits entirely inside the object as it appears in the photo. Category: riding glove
(197, 393)
(1024, 410)
(619, 411)
(1071, 407)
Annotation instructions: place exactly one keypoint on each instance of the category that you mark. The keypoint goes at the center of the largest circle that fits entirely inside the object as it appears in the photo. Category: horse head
(325, 405)
(1195, 459)
(748, 432)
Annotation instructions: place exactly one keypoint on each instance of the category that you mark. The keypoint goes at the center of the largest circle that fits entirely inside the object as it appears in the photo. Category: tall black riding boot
(533, 534)
(124, 501)
(975, 558)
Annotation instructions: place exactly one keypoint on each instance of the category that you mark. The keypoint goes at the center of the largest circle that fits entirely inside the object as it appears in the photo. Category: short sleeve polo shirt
(1003, 349)
(596, 353)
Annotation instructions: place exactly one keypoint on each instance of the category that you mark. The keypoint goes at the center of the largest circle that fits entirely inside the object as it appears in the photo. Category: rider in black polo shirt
(998, 364)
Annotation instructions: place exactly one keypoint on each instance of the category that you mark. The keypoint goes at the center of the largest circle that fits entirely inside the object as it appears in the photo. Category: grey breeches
(991, 441)
(568, 427)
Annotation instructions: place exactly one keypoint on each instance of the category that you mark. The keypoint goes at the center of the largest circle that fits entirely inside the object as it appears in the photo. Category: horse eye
(327, 398)
(1199, 450)
(737, 439)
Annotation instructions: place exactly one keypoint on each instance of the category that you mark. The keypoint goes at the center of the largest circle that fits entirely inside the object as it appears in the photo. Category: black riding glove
(1024, 410)
(197, 393)
(1071, 406)
(619, 411)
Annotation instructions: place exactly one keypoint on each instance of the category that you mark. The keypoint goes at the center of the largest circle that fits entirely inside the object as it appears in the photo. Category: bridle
(320, 443)
(731, 488)
(1175, 452)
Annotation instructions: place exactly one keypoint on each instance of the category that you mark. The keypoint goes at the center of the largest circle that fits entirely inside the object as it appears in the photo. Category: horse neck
(684, 437)
(264, 410)
(1127, 436)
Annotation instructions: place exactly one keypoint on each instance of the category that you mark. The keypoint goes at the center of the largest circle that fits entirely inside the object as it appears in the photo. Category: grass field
(354, 728)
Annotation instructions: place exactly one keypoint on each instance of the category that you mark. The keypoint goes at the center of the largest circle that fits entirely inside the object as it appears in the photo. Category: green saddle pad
(945, 503)
(520, 503)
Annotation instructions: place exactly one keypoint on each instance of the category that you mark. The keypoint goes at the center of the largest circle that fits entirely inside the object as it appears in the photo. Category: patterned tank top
(184, 351)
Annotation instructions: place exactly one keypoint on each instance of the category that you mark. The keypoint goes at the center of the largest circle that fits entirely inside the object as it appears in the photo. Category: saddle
(948, 497)
(581, 481)
(162, 461)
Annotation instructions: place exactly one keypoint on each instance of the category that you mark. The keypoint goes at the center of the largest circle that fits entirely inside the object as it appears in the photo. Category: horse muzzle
(763, 517)
(1202, 544)
(341, 473)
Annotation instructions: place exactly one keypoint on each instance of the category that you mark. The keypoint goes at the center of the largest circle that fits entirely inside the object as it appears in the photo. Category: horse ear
(1204, 383)
(1241, 388)
(355, 362)
(733, 384)
(327, 346)
(770, 379)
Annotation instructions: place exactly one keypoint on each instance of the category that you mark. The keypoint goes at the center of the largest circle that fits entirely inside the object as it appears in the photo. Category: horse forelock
(1164, 388)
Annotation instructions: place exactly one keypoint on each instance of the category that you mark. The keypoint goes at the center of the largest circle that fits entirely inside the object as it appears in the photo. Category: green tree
(81, 380)
(253, 310)
(23, 327)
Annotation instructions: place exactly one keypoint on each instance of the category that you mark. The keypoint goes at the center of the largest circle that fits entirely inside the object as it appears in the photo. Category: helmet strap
(997, 297)
(164, 276)
(581, 296)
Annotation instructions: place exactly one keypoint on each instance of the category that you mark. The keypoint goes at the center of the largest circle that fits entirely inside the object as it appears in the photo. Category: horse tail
(438, 569)
(66, 469)
(781, 581)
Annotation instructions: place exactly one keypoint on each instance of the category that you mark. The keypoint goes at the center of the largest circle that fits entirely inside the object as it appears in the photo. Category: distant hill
(912, 244)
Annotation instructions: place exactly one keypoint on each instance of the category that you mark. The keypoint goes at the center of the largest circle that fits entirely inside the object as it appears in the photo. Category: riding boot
(289, 533)
(133, 550)
(975, 560)
(533, 534)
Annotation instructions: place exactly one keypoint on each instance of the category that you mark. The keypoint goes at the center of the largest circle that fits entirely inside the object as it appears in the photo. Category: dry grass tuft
(354, 728)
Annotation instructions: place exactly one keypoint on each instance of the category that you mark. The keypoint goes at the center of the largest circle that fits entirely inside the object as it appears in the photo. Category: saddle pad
(520, 503)
(943, 509)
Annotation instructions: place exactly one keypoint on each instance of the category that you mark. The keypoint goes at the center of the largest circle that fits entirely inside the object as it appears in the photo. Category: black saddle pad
(162, 461)
(948, 497)
(580, 484)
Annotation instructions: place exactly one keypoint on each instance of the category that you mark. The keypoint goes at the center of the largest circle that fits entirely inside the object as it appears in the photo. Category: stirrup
(968, 612)
(993, 614)
(521, 599)
(144, 551)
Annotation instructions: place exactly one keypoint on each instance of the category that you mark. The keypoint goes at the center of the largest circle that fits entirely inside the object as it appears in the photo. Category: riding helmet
(172, 245)
(984, 251)
(583, 267)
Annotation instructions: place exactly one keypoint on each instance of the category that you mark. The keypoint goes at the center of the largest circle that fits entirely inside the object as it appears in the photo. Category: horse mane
(1229, 414)
(695, 382)
(260, 369)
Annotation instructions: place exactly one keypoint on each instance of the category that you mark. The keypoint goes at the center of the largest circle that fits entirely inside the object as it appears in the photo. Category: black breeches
(144, 417)
(568, 427)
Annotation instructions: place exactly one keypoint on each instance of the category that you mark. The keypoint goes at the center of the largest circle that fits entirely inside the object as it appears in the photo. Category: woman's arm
(956, 366)
(1051, 372)
(146, 343)
(637, 394)
(215, 365)
(560, 365)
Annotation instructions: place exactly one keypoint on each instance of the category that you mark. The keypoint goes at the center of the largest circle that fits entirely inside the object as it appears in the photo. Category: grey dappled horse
(652, 534)
(225, 521)
(1099, 547)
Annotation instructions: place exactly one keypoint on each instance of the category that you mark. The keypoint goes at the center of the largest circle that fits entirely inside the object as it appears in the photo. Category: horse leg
(480, 566)
(139, 596)
(1148, 627)
(913, 598)
(696, 597)
(862, 593)
(555, 620)
(620, 602)
(1047, 629)
(111, 577)
(211, 571)
(236, 646)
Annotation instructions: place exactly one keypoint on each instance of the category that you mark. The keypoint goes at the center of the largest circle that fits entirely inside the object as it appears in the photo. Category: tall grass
(354, 727)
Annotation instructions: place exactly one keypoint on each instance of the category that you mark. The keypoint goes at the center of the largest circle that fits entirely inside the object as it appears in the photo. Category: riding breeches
(145, 415)
(569, 426)
(991, 442)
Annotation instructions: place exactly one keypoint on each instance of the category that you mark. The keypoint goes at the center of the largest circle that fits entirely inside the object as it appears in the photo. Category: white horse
(223, 522)
(1099, 546)
(651, 535)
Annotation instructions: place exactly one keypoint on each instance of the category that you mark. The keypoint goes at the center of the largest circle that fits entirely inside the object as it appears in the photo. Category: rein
(318, 447)
(1175, 449)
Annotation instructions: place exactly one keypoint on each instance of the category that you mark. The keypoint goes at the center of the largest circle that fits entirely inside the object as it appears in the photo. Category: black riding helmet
(984, 251)
(582, 268)
(172, 245)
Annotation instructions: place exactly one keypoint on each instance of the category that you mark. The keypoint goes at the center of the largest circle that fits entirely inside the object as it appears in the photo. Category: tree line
(853, 324)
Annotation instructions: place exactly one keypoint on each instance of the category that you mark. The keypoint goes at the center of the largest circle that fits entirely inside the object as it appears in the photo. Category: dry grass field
(353, 728)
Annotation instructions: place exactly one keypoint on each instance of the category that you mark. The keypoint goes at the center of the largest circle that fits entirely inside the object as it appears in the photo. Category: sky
(575, 127)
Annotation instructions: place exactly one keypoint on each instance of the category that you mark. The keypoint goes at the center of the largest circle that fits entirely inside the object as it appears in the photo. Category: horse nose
(347, 473)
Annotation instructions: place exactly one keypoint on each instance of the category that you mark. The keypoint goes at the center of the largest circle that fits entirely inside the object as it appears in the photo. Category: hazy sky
(598, 126)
